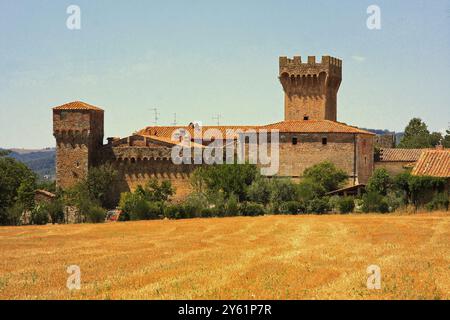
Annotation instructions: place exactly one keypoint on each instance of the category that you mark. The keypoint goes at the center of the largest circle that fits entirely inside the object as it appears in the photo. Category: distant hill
(41, 161)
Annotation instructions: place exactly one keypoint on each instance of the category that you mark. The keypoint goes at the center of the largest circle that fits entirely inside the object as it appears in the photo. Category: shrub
(379, 182)
(260, 191)
(326, 175)
(292, 207)
(395, 200)
(227, 178)
(374, 202)
(14, 214)
(284, 190)
(308, 189)
(440, 201)
(251, 209)
(232, 206)
(99, 184)
(173, 211)
(346, 204)
(207, 213)
(318, 205)
(56, 211)
(39, 215)
(95, 214)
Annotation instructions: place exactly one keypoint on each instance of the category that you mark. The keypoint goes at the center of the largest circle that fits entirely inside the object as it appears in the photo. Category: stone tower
(78, 129)
(310, 88)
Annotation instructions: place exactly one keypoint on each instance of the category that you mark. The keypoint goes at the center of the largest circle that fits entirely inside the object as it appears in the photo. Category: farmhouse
(309, 134)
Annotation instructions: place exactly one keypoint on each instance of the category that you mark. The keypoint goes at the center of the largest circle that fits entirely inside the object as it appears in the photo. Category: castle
(309, 134)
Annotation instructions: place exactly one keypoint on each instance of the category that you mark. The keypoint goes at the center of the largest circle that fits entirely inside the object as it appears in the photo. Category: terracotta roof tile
(306, 126)
(167, 131)
(400, 155)
(77, 105)
(435, 163)
(315, 126)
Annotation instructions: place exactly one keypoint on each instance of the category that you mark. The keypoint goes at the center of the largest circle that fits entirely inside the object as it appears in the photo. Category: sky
(200, 59)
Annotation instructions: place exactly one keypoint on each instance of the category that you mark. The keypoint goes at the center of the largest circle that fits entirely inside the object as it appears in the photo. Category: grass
(270, 257)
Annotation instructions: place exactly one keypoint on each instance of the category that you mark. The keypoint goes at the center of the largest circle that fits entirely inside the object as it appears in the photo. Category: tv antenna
(217, 118)
(156, 115)
(174, 123)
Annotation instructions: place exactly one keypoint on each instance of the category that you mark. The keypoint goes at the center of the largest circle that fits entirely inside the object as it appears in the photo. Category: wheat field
(270, 257)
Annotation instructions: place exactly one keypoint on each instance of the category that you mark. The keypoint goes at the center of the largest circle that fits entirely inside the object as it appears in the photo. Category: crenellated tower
(78, 130)
(310, 88)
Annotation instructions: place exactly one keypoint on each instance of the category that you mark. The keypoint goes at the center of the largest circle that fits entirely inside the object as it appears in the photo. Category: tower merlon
(295, 66)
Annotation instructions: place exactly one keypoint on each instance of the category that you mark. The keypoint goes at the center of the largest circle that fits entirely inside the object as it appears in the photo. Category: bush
(252, 209)
(440, 201)
(346, 204)
(14, 214)
(39, 215)
(380, 182)
(260, 191)
(374, 202)
(173, 211)
(284, 190)
(292, 207)
(207, 213)
(232, 206)
(56, 211)
(318, 205)
(326, 175)
(95, 214)
(308, 190)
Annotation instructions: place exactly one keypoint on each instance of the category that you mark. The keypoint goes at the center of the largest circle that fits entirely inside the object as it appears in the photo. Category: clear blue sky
(200, 58)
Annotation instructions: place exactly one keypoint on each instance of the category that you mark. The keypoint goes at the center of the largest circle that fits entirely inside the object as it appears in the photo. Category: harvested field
(270, 257)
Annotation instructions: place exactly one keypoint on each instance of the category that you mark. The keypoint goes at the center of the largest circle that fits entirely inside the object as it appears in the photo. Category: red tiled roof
(167, 131)
(77, 105)
(400, 155)
(315, 126)
(435, 163)
(300, 126)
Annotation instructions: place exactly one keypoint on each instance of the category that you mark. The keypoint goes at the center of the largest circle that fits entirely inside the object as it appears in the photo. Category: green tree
(326, 175)
(100, 181)
(260, 190)
(380, 182)
(416, 135)
(435, 139)
(155, 191)
(13, 175)
(231, 179)
(284, 190)
(446, 140)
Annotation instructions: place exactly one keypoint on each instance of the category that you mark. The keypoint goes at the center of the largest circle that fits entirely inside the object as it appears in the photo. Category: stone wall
(310, 150)
(310, 88)
(79, 137)
(392, 167)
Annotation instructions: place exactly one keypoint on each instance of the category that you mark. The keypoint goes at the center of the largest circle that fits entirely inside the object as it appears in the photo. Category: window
(324, 141)
(63, 115)
(294, 140)
(305, 118)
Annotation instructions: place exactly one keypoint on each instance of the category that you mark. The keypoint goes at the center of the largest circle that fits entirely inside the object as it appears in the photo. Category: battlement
(297, 61)
(310, 87)
(295, 66)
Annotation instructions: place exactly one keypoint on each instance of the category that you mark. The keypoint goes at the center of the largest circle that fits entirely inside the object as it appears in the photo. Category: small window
(63, 115)
(324, 141)
(305, 118)
(294, 140)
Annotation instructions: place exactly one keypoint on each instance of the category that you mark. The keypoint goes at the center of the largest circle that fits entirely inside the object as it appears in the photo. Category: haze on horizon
(202, 58)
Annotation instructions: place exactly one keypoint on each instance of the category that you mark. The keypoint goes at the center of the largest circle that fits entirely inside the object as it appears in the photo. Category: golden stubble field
(270, 257)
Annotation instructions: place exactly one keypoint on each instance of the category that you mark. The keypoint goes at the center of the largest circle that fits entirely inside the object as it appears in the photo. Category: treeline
(239, 190)
(218, 191)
